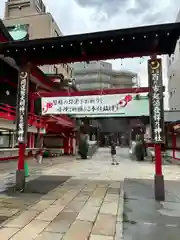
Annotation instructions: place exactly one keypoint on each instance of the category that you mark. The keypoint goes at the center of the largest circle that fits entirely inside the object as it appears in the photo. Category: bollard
(26, 169)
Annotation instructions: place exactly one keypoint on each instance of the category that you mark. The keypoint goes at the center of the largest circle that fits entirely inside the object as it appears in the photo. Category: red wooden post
(71, 144)
(66, 145)
(22, 123)
(174, 144)
(158, 160)
(22, 148)
(157, 116)
(31, 135)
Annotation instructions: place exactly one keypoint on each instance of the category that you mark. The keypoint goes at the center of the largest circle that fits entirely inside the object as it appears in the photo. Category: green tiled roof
(18, 32)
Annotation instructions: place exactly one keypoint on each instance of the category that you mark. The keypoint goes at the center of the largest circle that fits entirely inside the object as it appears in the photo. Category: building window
(56, 34)
(40, 7)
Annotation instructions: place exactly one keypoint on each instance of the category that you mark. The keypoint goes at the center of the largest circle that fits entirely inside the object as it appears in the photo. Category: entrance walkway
(99, 168)
(88, 206)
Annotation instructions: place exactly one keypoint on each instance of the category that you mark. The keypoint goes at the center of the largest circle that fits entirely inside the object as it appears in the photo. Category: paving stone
(115, 185)
(59, 227)
(50, 213)
(16, 204)
(6, 233)
(100, 237)
(8, 211)
(99, 193)
(22, 220)
(67, 197)
(51, 196)
(113, 191)
(49, 236)
(111, 198)
(31, 231)
(86, 186)
(79, 230)
(88, 213)
(109, 208)
(119, 229)
(120, 210)
(74, 206)
(62, 222)
(95, 202)
(90, 188)
(105, 225)
(82, 197)
(42, 205)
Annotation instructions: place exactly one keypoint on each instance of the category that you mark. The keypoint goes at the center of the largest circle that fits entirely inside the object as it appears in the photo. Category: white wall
(173, 63)
(5, 124)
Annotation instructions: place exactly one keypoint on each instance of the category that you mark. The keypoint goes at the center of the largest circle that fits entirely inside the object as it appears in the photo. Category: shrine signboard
(156, 100)
(96, 105)
(22, 105)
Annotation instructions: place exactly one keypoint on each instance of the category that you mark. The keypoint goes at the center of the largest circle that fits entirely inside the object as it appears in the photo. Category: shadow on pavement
(40, 185)
(146, 219)
(12, 202)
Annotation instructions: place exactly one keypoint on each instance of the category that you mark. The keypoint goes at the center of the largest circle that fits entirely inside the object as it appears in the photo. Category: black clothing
(113, 149)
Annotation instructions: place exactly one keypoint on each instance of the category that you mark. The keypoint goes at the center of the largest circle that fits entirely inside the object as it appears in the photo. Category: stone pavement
(10, 166)
(88, 206)
(99, 167)
(77, 210)
(8, 169)
(144, 218)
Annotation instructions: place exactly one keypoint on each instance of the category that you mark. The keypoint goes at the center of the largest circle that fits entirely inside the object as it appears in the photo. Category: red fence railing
(9, 112)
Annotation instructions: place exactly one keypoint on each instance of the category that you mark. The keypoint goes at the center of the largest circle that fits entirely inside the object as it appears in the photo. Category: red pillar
(28, 141)
(22, 148)
(158, 159)
(71, 144)
(22, 122)
(174, 144)
(158, 178)
(159, 189)
(66, 145)
(31, 135)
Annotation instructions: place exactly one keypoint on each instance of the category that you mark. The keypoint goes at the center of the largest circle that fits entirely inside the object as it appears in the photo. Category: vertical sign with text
(22, 104)
(156, 100)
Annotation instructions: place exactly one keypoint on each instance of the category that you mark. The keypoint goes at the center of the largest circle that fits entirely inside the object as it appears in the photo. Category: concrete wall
(100, 75)
(173, 76)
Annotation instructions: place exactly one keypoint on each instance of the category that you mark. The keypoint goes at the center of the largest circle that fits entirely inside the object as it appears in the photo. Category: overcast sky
(79, 16)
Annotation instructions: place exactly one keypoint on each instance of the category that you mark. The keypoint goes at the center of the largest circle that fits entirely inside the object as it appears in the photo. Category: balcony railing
(9, 112)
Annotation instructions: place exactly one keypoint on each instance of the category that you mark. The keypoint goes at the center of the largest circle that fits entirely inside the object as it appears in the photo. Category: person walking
(113, 154)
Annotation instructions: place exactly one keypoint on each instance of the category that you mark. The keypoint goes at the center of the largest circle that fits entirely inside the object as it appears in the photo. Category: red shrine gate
(125, 43)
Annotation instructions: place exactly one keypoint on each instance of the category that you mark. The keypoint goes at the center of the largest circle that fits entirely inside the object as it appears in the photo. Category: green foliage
(83, 148)
(139, 150)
